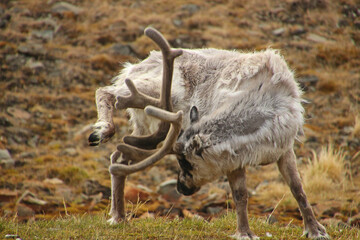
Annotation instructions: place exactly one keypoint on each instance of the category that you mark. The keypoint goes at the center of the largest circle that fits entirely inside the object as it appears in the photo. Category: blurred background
(55, 54)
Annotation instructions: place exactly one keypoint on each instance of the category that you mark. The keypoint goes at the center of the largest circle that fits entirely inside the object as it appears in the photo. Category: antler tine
(165, 116)
(169, 56)
(136, 98)
(148, 141)
(175, 120)
(134, 154)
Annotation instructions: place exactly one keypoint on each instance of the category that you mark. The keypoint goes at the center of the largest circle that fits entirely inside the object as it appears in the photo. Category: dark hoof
(94, 139)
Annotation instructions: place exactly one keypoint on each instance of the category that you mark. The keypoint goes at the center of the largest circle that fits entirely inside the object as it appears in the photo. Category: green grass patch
(96, 227)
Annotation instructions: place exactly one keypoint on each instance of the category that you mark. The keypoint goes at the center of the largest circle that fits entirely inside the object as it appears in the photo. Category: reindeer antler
(139, 100)
(175, 120)
(136, 148)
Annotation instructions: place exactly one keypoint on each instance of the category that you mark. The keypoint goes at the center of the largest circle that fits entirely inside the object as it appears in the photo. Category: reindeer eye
(194, 114)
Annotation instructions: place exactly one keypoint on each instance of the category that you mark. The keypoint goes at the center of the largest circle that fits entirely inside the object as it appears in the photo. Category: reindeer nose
(183, 189)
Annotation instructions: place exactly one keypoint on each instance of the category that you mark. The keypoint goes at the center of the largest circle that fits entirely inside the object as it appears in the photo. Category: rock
(47, 24)
(43, 34)
(5, 159)
(191, 8)
(15, 61)
(307, 81)
(297, 30)
(18, 113)
(121, 49)
(147, 215)
(65, 192)
(177, 22)
(135, 195)
(278, 32)
(53, 181)
(62, 7)
(32, 49)
(92, 187)
(213, 210)
(316, 38)
(35, 66)
(24, 212)
(155, 175)
(71, 152)
(33, 200)
(168, 190)
(271, 219)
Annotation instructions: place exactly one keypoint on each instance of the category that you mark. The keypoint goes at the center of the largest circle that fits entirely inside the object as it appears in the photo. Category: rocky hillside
(54, 55)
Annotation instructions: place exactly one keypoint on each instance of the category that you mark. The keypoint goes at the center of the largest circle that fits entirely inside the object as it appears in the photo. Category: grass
(325, 176)
(326, 172)
(356, 131)
(95, 227)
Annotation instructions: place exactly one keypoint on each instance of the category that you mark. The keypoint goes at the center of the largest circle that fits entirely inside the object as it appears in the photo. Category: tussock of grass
(356, 131)
(325, 174)
(96, 227)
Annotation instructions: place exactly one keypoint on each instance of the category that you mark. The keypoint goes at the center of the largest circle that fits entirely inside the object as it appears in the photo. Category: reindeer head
(189, 148)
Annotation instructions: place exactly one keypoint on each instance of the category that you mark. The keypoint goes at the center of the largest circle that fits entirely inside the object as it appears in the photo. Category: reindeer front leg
(237, 181)
(288, 169)
(117, 210)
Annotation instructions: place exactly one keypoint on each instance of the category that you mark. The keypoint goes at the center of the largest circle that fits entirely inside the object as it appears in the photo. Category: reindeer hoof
(317, 232)
(245, 236)
(318, 236)
(103, 132)
(114, 220)
(94, 139)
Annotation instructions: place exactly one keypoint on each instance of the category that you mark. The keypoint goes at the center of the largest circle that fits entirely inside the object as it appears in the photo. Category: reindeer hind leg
(288, 169)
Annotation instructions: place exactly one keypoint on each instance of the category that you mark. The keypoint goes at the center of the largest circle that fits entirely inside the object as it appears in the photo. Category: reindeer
(223, 111)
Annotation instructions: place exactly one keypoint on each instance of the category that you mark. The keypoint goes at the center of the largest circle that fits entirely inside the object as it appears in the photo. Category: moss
(71, 175)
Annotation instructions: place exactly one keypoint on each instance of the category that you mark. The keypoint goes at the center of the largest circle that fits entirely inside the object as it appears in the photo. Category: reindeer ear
(194, 114)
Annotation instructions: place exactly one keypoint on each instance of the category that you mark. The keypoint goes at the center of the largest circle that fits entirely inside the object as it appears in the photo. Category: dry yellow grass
(323, 178)
(325, 175)
(356, 131)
